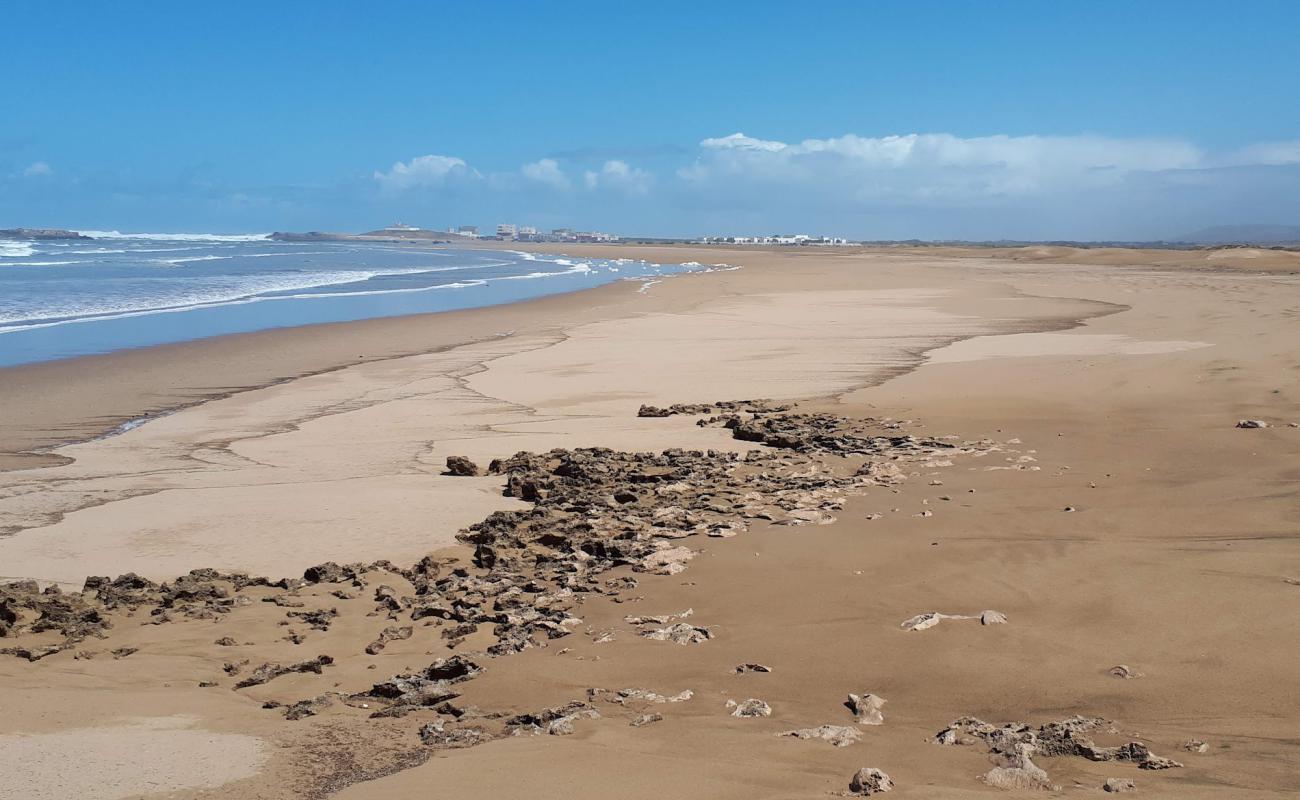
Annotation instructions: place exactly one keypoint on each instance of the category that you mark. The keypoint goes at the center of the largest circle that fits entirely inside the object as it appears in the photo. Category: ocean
(60, 299)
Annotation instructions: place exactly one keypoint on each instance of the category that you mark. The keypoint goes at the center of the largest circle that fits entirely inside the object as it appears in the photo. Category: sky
(1070, 119)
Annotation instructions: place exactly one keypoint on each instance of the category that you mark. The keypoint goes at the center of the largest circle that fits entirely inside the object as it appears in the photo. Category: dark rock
(268, 672)
(461, 466)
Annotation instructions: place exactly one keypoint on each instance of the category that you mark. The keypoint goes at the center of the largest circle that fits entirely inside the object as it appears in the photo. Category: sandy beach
(1042, 443)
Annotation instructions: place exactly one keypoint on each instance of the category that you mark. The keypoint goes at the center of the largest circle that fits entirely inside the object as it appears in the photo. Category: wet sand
(1114, 391)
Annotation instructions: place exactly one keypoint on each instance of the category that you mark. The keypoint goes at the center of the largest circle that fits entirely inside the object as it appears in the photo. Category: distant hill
(1244, 234)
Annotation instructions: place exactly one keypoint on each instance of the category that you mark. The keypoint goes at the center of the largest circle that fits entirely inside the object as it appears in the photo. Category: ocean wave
(175, 261)
(249, 289)
(16, 249)
(38, 263)
(180, 237)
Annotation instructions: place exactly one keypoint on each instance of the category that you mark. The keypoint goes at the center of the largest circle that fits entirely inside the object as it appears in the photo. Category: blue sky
(953, 119)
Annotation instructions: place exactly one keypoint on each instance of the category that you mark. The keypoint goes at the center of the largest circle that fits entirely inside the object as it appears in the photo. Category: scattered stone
(743, 668)
(268, 672)
(436, 734)
(641, 720)
(389, 634)
(928, 620)
(307, 708)
(1067, 737)
(317, 620)
(553, 721)
(1123, 672)
(123, 652)
(867, 708)
(750, 708)
(1019, 772)
(1196, 746)
(461, 467)
(993, 618)
(329, 572)
(1251, 423)
(657, 619)
(638, 695)
(869, 781)
(836, 735)
(225, 641)
(1117, 785)
(681, 633)
(677, 408)
(33, 653)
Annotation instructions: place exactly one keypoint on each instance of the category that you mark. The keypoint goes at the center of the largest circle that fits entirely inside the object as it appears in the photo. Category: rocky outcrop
(43, 234)
(1015, 742)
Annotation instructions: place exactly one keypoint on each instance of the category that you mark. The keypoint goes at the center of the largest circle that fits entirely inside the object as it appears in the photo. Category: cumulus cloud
(619, 175)
(546, 171)
(38, 169)
(423, 171)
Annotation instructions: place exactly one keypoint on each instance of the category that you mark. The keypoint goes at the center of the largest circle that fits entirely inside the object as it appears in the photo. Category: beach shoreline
(71, 400)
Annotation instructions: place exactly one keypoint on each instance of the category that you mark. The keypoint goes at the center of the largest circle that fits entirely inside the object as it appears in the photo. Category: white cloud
(546, 171)
(936, 165)
(38, 169)
(620, 176)
(422, 171)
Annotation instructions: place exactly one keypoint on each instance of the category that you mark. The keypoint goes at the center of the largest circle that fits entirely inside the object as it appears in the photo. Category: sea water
(76, 297)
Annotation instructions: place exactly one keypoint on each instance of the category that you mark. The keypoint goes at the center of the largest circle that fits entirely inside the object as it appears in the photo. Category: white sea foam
(175, 261)
(246, 289)
(180, 237)
(16, 249)
(38, 263)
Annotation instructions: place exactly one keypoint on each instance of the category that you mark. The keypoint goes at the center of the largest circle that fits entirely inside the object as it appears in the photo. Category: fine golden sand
(1112, 380)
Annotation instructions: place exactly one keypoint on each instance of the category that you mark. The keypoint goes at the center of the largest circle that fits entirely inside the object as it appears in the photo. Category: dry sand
(1114, 386)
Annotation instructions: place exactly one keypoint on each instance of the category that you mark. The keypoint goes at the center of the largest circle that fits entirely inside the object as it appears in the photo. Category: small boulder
(869, 781)
(750, 708)
(461, 466)
(867, 708)
(1117, 785)
(1251, 423)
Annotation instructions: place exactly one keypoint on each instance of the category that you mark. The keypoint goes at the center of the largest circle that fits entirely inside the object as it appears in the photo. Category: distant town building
(398, 227)
(800, 239)
(468, 230)
(527, 230)
(507, 231)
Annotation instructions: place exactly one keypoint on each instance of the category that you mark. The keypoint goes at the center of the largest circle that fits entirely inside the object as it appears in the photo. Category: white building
(507, 231)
